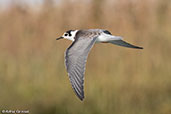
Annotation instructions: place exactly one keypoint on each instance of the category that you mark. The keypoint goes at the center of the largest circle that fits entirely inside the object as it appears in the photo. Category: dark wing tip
(81, 98)
(138, 47)
(79, 95)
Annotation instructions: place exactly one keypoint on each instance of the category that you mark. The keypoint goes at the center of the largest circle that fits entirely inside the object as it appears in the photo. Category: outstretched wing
(75, 61)
(124, 44)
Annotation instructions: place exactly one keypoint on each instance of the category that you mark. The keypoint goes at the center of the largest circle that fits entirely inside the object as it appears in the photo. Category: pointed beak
(59, 38)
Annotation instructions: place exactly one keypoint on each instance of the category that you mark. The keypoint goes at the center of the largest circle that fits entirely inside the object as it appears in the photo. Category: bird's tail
(124, 44)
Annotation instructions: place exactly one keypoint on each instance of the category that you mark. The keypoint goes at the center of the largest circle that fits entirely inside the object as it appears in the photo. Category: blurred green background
(117, 80)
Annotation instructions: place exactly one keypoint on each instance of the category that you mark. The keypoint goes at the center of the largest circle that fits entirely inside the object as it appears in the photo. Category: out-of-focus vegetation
(117, 80)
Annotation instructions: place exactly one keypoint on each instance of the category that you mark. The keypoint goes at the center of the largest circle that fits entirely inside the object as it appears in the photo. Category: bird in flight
(77, 53)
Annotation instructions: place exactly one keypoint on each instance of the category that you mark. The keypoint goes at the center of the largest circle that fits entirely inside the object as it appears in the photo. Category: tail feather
(124, 44)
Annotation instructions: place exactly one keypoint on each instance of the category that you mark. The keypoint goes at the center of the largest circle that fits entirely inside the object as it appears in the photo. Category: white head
(70, 34)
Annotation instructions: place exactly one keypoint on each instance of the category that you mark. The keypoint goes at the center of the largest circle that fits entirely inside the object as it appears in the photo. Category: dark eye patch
(65, 34)
(69, 32)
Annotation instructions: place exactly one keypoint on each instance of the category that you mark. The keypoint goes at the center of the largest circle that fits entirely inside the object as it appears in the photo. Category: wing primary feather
(124, 44)
(79, 94)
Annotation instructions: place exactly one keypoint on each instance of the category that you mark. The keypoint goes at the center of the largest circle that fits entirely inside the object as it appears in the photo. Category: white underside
(106, 38)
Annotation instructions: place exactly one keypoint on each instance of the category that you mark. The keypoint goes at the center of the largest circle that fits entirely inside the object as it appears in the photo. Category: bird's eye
(65, 34)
